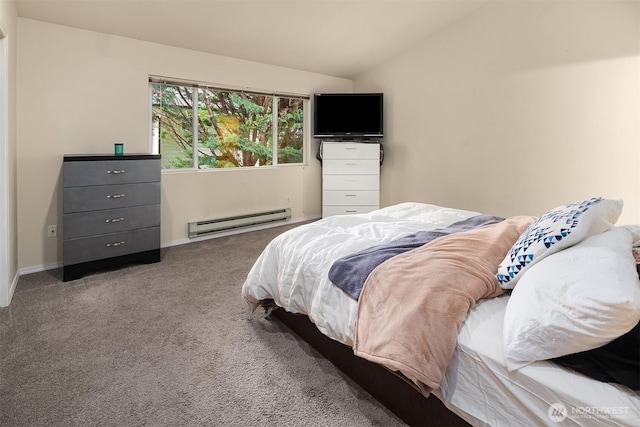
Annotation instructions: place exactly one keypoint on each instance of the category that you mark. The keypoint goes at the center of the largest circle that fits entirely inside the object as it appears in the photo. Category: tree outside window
(232, 128)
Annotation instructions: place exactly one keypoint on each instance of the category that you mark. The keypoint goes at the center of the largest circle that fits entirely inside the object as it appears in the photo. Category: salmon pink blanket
(413, 305)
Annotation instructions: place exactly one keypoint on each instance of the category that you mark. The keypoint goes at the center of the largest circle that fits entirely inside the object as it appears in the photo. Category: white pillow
(558, 229)
(575, 300)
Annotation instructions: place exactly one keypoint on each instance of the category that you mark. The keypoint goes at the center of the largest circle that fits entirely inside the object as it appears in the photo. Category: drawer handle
(351, 195)
(350, 210)
(116, 172)
(350, 148)
(115, 196)
(350, 164)
(111, 245)
(114, 220)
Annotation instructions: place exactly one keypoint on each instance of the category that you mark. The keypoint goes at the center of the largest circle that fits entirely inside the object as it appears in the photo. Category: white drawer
(348, 166)
(350, 150)
(351, 182)
(346, 210)
(346, 197)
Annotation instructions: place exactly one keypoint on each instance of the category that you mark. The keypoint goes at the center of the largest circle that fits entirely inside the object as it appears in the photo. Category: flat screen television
(347, 115)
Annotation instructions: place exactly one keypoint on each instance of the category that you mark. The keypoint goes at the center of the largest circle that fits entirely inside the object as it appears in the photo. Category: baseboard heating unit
(200, 228)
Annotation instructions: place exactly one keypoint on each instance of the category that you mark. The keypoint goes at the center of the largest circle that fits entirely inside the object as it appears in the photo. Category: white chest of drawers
(111, 212)
(350, 177)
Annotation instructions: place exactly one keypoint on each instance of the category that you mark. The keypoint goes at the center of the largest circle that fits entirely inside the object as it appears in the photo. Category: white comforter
(293, 271)
(304, 287)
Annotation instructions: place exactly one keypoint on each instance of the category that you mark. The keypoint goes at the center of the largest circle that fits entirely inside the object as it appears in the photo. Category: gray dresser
(111, 212)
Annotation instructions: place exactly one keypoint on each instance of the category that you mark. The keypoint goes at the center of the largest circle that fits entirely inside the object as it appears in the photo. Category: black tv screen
(347, 115)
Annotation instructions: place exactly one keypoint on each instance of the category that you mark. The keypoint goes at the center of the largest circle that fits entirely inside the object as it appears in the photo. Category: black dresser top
(100, 157)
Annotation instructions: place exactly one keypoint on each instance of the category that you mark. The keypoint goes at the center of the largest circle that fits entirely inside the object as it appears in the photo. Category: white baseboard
(13, 286)
(39, 268)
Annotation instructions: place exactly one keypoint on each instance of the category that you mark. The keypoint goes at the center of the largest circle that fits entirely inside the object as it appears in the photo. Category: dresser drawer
(351, 182)
(330, 210)
(87, 224)
(343, 167)
(110, 245)
(106, 172)
(347, 197)
(341, 150)
(82, 199)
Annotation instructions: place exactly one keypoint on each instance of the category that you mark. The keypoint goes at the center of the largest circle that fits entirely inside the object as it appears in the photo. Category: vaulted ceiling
(334, 37)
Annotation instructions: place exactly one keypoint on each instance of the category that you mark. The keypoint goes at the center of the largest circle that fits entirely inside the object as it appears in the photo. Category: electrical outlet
(52, 231)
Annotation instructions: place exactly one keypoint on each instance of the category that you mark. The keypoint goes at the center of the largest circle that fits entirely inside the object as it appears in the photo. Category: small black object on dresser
(111, 212)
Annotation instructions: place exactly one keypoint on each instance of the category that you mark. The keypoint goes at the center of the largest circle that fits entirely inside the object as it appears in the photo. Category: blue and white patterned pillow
(558, 229)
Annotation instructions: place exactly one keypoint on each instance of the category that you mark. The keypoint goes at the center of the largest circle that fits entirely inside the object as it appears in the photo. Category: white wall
(515, 109)
(8, 175)
(81, 91)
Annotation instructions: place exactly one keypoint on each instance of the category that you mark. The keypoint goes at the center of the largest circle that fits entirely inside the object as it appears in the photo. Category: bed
(474, 373)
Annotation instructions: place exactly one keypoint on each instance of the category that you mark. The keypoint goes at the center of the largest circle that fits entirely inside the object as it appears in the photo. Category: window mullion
(274, 128)
(194, 137)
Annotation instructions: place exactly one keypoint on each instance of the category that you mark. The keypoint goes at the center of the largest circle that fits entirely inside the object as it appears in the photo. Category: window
(205, 128)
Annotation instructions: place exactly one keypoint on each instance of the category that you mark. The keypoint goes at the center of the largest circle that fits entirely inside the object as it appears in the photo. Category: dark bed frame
(394, 392)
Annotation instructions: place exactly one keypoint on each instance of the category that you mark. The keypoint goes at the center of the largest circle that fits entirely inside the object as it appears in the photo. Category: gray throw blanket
(350, 273)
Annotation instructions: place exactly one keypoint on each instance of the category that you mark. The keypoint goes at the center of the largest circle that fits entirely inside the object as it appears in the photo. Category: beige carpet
(166, 344)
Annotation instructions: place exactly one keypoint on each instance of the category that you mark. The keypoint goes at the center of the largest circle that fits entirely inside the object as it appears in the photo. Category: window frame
(197, 87)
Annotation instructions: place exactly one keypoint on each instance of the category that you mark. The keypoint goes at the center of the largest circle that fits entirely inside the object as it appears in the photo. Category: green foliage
(207, 162)
(289, 155)
(183, 161)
